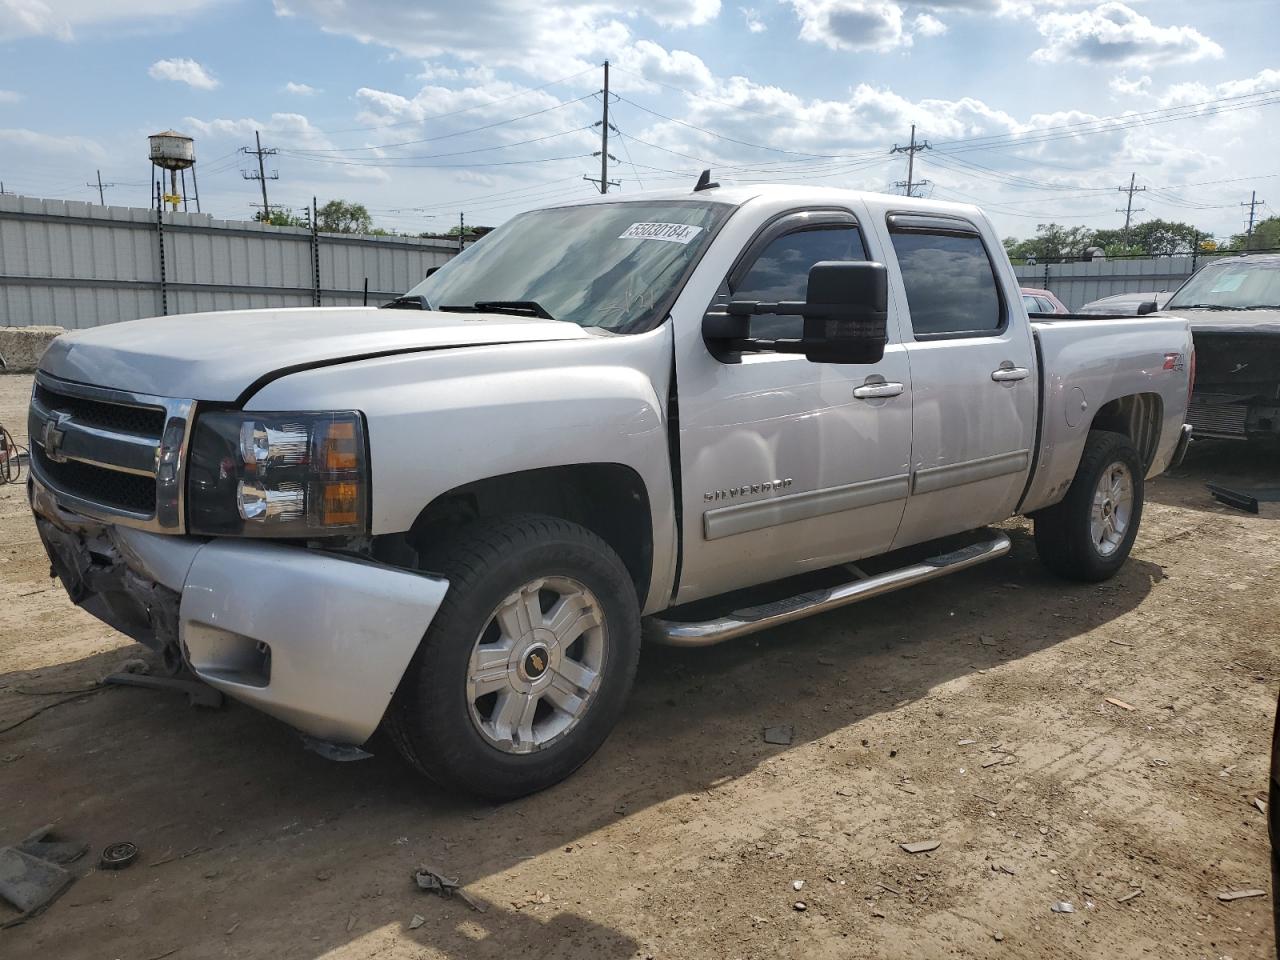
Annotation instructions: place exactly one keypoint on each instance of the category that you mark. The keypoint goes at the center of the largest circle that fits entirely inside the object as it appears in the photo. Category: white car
(458, 518)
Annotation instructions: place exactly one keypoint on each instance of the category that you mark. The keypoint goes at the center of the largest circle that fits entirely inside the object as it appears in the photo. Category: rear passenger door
(973, 376)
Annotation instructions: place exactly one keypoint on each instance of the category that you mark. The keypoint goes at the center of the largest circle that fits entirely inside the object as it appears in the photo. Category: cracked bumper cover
(318, 640)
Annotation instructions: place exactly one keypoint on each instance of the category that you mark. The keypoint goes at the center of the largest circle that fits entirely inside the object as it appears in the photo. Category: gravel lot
(972, 711)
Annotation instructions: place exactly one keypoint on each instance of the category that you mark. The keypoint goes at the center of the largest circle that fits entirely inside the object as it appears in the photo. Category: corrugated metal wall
(1076, 284)
(80, 265)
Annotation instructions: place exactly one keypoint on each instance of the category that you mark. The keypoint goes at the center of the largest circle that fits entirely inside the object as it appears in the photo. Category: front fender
(440, 419)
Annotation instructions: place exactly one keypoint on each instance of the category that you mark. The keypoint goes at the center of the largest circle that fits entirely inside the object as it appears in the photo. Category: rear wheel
(1089, 534)
(526, 667)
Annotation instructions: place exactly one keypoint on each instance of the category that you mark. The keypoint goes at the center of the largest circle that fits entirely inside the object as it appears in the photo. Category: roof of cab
(737, 195)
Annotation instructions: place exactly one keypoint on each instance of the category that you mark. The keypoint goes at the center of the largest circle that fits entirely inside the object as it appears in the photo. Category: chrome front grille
(110, 454)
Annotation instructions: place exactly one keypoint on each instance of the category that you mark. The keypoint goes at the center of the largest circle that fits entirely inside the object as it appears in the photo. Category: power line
(454, 113)
(911, 150)
(604, 183)
(456, 133)
(261, 176)
(1128, 207)
(1253, 205)
(101, 186)
(389, 161)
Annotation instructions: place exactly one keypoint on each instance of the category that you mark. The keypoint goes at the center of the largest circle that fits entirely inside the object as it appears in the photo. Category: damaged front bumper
(318, 640)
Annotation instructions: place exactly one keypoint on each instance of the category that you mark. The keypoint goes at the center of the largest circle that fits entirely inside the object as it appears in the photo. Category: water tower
(175, 152)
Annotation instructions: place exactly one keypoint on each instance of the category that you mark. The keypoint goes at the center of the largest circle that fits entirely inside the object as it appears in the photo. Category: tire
(1066, 533)
(520, 566)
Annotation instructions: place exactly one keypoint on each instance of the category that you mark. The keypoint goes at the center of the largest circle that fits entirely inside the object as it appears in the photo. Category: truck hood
(1252, 322)
(217, 356)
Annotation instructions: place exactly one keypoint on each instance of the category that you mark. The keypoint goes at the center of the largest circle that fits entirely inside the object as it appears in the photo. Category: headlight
(278, 474)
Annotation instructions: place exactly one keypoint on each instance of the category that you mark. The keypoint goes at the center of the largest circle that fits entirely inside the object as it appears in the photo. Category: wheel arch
(609, 499)
(1138, 416)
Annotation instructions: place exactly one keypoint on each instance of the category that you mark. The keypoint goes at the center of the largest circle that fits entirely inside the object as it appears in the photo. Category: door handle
(877, 391)
(1010, 373)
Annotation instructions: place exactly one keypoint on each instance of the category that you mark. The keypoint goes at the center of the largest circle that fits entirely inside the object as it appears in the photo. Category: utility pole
(101, 186)
(1128, 207)
(911, 150)
(604, 183)
(1253, 205)
(261, 175)
(462, 230)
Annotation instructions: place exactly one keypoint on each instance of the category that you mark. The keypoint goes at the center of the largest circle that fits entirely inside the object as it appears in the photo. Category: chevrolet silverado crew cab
(605, 421)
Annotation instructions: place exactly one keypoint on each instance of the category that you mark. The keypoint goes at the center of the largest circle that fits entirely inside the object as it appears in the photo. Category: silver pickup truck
(457, 518)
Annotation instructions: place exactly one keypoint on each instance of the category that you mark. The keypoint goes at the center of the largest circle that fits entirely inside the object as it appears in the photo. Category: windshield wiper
(1203, 306)
(521, 308)
(407, 302)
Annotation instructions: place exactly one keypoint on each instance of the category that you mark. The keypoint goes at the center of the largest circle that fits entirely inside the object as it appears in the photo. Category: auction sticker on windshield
(671, 232)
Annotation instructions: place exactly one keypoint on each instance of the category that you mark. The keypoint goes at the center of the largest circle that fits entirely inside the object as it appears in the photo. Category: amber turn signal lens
(337, 448)
(340, 504)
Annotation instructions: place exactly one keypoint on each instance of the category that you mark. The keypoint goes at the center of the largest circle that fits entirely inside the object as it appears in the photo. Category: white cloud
(10, 96)
(929, 26)
(654, 62)
(511, 33)
(1122, 86)
(59, 18)
(753, 21)
(183, 70)
(300, 89)
(1113, 34)
(48, 143)
(852, 24)
(31, 18)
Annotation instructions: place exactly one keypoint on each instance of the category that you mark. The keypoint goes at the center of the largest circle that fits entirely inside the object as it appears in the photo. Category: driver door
(789, 465)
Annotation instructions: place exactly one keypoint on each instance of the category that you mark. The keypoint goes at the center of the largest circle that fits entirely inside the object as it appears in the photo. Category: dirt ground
(972, 711)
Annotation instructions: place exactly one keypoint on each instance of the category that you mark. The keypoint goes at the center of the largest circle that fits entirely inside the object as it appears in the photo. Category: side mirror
(846, 312)
(1147, 306)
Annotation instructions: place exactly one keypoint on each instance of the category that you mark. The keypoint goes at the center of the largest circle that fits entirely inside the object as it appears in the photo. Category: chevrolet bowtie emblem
(51, 438)
(538, 663)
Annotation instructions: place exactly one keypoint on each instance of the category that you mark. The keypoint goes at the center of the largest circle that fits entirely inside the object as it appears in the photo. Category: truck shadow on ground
(268, 850)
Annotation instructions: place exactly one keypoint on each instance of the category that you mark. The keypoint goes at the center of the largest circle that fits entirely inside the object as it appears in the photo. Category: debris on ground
(29, 883)
(1063, 907)
(435, 882)
(118, 856)
(921, 846)
(1227, 897)
(199, 694)
(417, 921)
(1119, 703)
(797, 885)
(43, 845)
(965, 743)
(337, 752)
(1260, 804)
(800, 906)
(781, 735)
(1129, 896)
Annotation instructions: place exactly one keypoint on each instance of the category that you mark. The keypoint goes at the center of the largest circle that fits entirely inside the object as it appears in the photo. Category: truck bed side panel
(1089, 363)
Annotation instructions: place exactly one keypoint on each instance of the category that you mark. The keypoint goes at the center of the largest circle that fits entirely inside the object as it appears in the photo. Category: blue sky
(1037, 108)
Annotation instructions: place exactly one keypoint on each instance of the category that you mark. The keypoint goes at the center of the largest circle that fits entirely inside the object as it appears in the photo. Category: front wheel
(527, 665)
(1089, 534)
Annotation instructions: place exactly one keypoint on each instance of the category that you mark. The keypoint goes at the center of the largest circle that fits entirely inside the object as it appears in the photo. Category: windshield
(607, 265)
(1231, 285)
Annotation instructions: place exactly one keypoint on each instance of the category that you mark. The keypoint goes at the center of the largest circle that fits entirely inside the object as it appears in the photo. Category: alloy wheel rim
(536, 666)
(1112, 509)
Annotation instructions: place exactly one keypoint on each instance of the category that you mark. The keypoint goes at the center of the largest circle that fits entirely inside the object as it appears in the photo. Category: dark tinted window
(951, 288)
(781, 272)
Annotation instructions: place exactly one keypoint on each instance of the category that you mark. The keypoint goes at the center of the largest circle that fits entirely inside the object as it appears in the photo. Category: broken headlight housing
(302, 475)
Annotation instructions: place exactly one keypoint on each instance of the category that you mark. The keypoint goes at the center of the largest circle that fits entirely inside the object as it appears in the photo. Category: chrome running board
(747, 620)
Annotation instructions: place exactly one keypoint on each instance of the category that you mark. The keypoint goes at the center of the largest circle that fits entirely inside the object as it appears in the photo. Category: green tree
(1266, 236)
(1152, 238)
(281, 217)
(1051, 242)
(343, 216)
